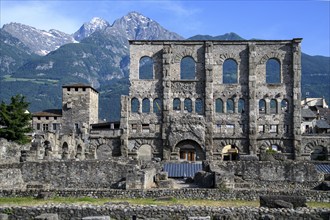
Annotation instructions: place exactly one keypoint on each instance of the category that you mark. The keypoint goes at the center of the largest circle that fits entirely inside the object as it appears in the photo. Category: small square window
(273, 129)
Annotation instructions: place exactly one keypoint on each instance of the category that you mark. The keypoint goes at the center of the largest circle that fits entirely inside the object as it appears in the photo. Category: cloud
(40, 14)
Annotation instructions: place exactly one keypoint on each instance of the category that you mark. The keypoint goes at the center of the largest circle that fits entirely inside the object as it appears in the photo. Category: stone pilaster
(209, 102)
(296, 69)
(167, 59)
(253, 127)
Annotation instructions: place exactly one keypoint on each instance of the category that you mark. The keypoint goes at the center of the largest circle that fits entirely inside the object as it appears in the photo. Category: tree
(15, 120)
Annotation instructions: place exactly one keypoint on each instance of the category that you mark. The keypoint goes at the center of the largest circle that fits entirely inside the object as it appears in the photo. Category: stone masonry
(180, 131)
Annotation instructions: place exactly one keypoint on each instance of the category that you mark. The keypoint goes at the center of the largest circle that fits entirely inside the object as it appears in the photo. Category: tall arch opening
(146, 68)
(229, 71)
(187, 105)
(157, 106)
(145, 105)
(135, 105)
(273, 71)
(219, 106)
(65, 151)
(187, 68)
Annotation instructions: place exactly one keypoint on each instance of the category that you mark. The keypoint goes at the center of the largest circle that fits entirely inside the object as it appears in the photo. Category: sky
(268, 20)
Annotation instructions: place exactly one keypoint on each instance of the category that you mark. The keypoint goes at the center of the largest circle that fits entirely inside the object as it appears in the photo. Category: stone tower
(80, 105)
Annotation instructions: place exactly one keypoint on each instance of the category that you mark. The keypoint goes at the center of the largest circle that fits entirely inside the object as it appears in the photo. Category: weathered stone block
(204, 179)
(47, 216)
(279, 201)
(3, 217)
(161, 176)
(200, 218)
(283, 204)
(96, 218)
(165, 184)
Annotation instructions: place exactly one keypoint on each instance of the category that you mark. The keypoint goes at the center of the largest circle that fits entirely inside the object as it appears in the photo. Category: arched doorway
(65, 151)
(145, 152)
(104, 152)
(190, 150)
(319, 153)
(48, 149)
(230, 152)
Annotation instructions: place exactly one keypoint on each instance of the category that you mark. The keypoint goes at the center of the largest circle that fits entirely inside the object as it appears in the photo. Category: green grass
(29, 201)
(8, 78)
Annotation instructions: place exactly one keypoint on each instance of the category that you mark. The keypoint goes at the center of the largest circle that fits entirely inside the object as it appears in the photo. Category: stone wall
(71, 174)
(184, 193)
(10, 152)
(270, 175)
(75, 212)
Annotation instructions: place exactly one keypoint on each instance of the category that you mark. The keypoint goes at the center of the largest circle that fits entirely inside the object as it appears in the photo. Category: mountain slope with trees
(101, 58)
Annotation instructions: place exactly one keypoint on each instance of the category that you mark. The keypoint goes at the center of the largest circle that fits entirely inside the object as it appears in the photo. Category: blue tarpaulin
(182, 170)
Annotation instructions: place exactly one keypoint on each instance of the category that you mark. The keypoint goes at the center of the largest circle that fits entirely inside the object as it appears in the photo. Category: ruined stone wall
(239, 122)
(271, 175)
(10, 152)
(117, 211)
(69, 174)
(184, 193)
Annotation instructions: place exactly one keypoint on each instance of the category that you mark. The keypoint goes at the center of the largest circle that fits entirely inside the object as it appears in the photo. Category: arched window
(229, 71)
(285, 106)
(241, 105)
(65, 151)
(219, 106)
(145, 105)
(135, 105)
(273, 106)
(273, 71)
(262, 106)
(187, 68)
(188, 105)
(176, 104)
(230, 106)
(146, 68)
(157, 106)
(199, 106)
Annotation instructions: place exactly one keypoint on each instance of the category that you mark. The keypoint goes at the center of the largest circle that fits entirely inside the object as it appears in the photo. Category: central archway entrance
(190, 150)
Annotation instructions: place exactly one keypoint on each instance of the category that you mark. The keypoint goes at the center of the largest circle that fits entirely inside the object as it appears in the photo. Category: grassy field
(29, 201)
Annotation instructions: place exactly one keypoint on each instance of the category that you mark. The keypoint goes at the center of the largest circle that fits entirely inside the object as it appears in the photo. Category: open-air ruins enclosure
(232, 106)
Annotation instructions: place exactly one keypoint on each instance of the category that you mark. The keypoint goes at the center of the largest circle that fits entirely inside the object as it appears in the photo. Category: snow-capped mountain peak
(39, 41)
(135, 26)
(90, 27)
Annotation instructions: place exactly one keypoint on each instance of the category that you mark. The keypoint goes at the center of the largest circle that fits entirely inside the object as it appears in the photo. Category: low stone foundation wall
(75, 174)
(75, 212)
(185, 193)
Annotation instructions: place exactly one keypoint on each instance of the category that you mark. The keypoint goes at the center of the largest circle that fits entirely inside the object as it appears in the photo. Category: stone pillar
(124, 125)
(167, 59)
(296, 69)
(209, 102)
(252, 102)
